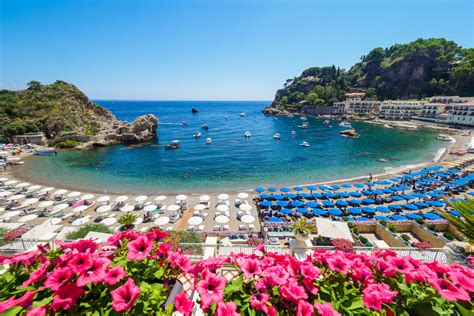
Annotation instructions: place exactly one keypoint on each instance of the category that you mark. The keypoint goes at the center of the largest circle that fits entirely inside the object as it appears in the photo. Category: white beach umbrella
(204, 198)
(138, 221)
(199, 207)
(104, 208)
(27, 218)
(173, 208)
(121, 198)
(87, 197)
(80, 221)
(181, 197)
(11, 182)
(223, 196)
(74, 194)
(150, 208)
(160, 198)
(45, 204)
(247, 219)
(109, 221)
(127, 208)
(222, 208)
(55, 221)
(11, 214)
(28, 202)
(245, 207)
(60, 192)
(80, 208)
(103, 199)
(16, 197)
(242, 195)
(60, 207)
(195, 220)
(2, 209)
(162, 220)
(47, 189)
(141, 198)
(5, 193)
(34, 188)
(22, 185)
(221, 219)
(3, 179)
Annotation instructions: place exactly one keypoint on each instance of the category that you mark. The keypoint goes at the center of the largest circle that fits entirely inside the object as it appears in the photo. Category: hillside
(419, 69)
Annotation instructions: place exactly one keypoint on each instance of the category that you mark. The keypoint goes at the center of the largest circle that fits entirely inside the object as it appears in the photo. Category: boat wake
(439, 154)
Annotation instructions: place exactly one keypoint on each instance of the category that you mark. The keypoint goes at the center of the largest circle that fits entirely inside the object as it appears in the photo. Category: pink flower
(114, 275)
(259, 301)
(291, 291)
(179, 261)
(250, 267)
(80, 262)
(183, 304)
(124, 296)
(309, 271)
(57, 278)
(157, 234)
(95, 273)
(139, 249)
(401, 264)
(23, 301)
(66, 297)
(38, 311)
(374, 295)
(226, 309)
(338, 264)
(276, 275)
(26, 258)
(211, 289)
(83, 245)
(35, 276)
(461, 280)
(304, 309)
(450, 292)
(325, 309)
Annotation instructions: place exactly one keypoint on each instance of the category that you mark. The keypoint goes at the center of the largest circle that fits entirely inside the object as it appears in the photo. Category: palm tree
(127, 221)
(302, 228)
(465, 223)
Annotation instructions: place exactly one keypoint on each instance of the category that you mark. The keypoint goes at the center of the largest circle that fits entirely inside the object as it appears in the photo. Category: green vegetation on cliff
(53, 109)
(419, 69)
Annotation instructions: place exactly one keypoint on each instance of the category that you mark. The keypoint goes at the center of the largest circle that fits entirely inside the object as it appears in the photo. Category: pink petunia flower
(450, 292)
(157, 234)
(226, 309)
(83, 245)
(57, 278)
(139, 248)
(461, 280)
(37, 275)
(309, 271)
(401, 264)
(250, 267)
(180, 261)
(66, 297)
(259, 301)
(183, 304)
(95, 273)
(26, 258)
(23, 301)
(276, 275)
(325, 309)
(291, 291)
(304, 309)
(338, 264)
(211, 289)
(80, 262)
(374, 295)
(114, 275)
(38, 311)
(124, 296)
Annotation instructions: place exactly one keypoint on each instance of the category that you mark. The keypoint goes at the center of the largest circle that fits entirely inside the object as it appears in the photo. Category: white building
(338, 108)
(400, 109)
(450, 99)
(461, 113)
(362, 107)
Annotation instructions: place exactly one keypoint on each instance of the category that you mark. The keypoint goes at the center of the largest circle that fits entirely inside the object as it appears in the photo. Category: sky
(206, 49)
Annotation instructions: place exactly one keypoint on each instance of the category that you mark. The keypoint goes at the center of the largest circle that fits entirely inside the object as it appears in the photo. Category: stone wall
(317, 110)
(421, 233)
(382, 233)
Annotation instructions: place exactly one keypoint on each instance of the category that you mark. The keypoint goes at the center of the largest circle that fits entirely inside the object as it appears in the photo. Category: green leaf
(43, 302)
(12, 311)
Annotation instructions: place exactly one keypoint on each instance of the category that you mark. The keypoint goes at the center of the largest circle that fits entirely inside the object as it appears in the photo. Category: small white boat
(345, 124)
(303, 118)
(444, 137)
(304, 125)
(242, 114)
(326, 122)
(208, 140)
(293, 133)
(276, 136)
(175, 144)
(304, 144)
(197, 135)
(247, 134)
(184, 123)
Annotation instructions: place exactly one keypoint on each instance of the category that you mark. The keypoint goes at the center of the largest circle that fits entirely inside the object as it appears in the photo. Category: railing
(11, 247)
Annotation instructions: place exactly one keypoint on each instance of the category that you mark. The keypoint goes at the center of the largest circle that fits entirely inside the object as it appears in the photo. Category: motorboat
(293, 133)
(349, 133)
(197, 135)
(345, 124)
(184, 123)
(304, 125)
(46, 152)
(305, 144)
(326, 122)
(303, 118)
(194, 110)
(208, 140)
(247, 134)
(242, 114)
(175, 144)
(444, 137)
(276, 136)
(205, 126)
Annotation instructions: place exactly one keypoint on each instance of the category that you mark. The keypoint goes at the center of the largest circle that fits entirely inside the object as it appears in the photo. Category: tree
(83, 231)
(465, 223)
(34, 85)
(127, 221)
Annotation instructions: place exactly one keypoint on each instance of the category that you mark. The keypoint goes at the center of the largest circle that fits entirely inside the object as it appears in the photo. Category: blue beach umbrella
(311, 204)
(363, 219)
(286, 211)
(343, 194)
(377, 192)
(367, 192)
(304, 195)
(433, 194)
(382, 218)
(383, 209)
(266, 203)
(386, 182)
(435, 203)
(419, 195)
(275, 219)
(265, 196)
(431, 216)
(408, 197)
(413, 216)
(328, 203)
(324, 187)
(282, 203)
(355, 194)
(410, 207)
(341, 203)
(358, 185)
(397, 198)
(335, 211)
(335, 187)
(298, 188)
(317, 195)
(388, 191)
(368, 201)
(421, 204)
(455, 213)
(284, 189)
(351, 219)
(368, 210)
(471, 193)
(354, 210)
(296, 203)
(330, 195)
(395, 207)
(311, 187)
(291, 195)
(398, 217)
(301, 210)
(259, 190)
(272, 189)
(355, 202)
(278, 196)
(319, 211)
(369, 183)
(346, 185)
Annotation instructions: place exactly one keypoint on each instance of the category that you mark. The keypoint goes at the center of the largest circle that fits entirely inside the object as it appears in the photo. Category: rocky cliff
(67, 117)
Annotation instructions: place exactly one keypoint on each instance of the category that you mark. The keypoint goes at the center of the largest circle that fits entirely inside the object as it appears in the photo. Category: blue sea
(231, 162)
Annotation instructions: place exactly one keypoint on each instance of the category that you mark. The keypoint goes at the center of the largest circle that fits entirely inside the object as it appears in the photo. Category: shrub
(351, 225)
(83, 231)
(363, 239)
(342, 244)
(420, 221)
(3, 231)
(391, 228)
(432, 227)
(422, 244)
(448, 236)
(127, 220)
(405, 237)
(68, 143)
(383, 223)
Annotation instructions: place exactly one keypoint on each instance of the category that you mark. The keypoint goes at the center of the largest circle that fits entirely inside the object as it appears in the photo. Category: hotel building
(461, 114)
(400, 109)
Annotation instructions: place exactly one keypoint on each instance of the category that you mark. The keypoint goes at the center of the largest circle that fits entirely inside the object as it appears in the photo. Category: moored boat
(444, 137)
(208, 140)
(45, 152)
(197, 135)
(293, 133)
(194, 110)
(276, 136)
(305, 144)
(242, 114)
(247, 134)
(184, 123)
(345, 124)
(349, 133)
(304, 125)
(175, 144)
(205, 126)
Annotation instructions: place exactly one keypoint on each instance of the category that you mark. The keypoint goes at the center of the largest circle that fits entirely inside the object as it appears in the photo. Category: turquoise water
(231, 162)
